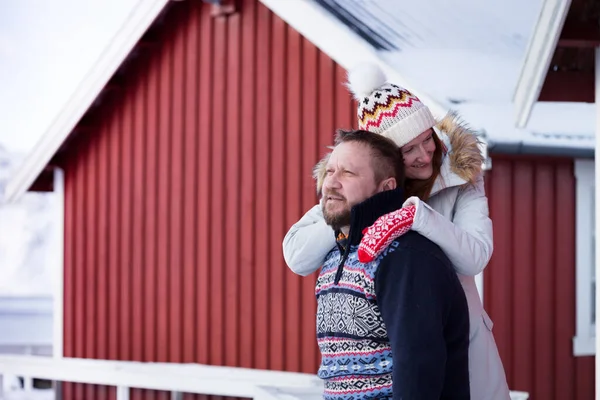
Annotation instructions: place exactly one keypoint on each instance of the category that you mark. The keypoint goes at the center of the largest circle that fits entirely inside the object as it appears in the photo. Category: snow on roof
(469, 24)
(450, 48)
(467, 55)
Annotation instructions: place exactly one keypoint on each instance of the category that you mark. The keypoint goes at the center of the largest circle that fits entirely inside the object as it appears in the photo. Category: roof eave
(340, 43)
(537, 58)
(135, 25)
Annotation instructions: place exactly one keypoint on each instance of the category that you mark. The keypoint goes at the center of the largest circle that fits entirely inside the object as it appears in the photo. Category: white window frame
(584, 342)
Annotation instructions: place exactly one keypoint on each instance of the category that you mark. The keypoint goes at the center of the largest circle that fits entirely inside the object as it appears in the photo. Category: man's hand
(386, 229)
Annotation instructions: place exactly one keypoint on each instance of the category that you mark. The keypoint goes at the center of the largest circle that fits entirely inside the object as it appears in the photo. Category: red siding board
(277, 174)
(584, 373)
(165, 213)
(190, 189)
(102, 233)
(80, 272)
(295, 75)
(231, 190)
(150, 208)
(267, 327)
(69, 275)
(522, 287)
(564, 283)
(544, 272)
(217, 220)
(530, 282)
(327, 104)
(205, 220)
(498, 272)
(190, 199)
(113, 239)
(177, 139)
(151, 168)
(345, 111)
(138, 310)
(138, 225)
(124, 225)
(91, 257)
(164, 189)
(247, 186)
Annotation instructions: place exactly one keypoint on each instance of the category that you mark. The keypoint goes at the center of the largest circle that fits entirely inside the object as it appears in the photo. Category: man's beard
(336, 220)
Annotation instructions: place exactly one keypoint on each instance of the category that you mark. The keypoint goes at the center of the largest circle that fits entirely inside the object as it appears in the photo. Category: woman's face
(418, 156)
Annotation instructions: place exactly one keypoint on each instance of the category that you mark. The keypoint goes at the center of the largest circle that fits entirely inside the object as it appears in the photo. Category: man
(396, 327)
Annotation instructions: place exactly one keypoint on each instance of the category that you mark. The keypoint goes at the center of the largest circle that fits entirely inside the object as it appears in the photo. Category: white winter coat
(456, 218)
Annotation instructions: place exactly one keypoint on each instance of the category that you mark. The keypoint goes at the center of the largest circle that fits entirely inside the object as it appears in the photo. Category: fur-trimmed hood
(462, 162)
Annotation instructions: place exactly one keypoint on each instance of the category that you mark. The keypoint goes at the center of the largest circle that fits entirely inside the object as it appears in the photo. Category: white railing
(176, 378)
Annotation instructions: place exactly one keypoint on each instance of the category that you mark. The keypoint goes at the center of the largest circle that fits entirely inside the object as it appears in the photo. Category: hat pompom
(364, 79)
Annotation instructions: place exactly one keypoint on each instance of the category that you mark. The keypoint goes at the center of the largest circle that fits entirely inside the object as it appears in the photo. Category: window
(584, 341)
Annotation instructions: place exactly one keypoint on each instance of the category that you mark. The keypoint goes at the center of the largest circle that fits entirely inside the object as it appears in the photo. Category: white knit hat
(385, 108)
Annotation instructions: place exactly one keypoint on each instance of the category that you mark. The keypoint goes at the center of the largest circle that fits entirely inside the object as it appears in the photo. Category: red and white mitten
(377, 237)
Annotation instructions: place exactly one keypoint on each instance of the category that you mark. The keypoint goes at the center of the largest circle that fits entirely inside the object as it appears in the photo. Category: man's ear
(388, 184)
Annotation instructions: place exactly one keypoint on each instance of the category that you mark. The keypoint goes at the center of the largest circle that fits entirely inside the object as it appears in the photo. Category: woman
(444, 185)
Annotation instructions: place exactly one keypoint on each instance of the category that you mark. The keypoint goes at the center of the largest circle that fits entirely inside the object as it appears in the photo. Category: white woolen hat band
(408, 128)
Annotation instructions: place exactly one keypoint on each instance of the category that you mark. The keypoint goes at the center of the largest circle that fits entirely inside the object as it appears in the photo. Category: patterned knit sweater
(356, 353)
(394, 328)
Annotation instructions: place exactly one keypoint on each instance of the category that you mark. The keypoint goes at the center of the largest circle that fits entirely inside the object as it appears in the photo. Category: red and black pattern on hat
(383, 103)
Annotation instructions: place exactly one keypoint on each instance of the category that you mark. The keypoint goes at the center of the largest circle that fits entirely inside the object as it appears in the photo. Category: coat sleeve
(413, 297)
(468, 239)
(308, 242)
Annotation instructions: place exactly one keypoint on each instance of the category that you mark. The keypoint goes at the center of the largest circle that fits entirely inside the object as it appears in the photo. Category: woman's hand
(386, 229)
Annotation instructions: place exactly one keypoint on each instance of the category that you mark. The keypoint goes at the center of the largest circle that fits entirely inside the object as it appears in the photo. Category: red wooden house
(186, 156)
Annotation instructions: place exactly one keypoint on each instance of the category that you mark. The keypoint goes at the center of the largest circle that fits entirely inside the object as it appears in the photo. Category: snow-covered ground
(27, 253)
(26, 241)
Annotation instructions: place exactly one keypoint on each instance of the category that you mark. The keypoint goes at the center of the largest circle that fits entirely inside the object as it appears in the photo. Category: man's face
(350, 180)
(418, 156)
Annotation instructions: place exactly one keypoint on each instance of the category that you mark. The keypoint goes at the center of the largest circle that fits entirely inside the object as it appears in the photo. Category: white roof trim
(339, 42)
(537, 58)
(136, 24)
